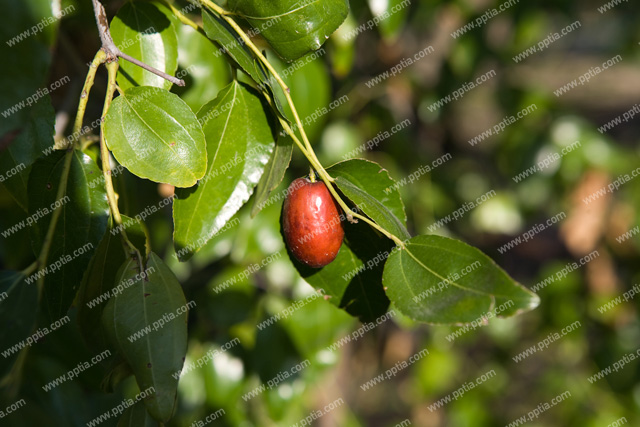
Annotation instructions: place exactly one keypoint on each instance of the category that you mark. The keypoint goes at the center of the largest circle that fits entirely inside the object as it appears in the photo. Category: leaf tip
(534, 301)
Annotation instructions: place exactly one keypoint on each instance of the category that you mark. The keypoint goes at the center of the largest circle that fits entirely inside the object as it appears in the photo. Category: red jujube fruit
(311, 223)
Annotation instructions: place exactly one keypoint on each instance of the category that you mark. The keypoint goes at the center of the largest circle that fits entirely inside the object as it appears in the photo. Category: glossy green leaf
(100, 279)
(33, 140)
(371, 188)
(239, 142)
(144, 32)
(293, 28)
(273, 173)
(18, 311)
(155, 135)
(347, 281)
(81, 225)
(440, 280)
(205, 74)
(136, 416)
(147, 323)
(218, 30)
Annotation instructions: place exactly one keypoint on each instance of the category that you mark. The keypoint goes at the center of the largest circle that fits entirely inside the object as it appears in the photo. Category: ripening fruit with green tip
(311, 223)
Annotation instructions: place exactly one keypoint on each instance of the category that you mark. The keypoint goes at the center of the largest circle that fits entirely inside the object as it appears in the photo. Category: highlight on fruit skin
(311, 223)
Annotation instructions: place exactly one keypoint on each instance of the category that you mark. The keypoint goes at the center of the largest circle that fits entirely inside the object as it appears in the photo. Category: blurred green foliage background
(345, 66)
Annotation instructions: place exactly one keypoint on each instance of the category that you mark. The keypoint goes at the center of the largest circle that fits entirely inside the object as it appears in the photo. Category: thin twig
(130, 248)
(112, 51)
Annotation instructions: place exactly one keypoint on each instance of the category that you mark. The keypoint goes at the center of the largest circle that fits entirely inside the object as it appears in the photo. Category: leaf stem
(112, 69)
(98, 59)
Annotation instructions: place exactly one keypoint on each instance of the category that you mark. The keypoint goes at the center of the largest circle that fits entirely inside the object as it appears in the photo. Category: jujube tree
(234, 150)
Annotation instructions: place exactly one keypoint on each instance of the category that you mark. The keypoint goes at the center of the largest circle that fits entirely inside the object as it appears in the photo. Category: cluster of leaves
(217, 158)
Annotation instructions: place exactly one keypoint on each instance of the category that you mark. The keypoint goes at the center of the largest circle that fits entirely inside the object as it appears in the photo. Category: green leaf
(142, 31)
(147, 324)
(218, 30)
(155, 135)
(291, 27)
(34, 139)
(100, 279)
(239, 142)
(347, 280)
(136, 416)
(273, 172)
(18, 311)
(81, 225)
(440, 280)
(371, 188)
